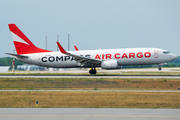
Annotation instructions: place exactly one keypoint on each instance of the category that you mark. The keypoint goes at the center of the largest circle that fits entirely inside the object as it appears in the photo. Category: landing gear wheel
(93, 71)
(159, 68)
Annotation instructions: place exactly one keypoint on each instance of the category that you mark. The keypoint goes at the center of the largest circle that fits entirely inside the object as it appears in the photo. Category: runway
(88, 114)
(91, 76)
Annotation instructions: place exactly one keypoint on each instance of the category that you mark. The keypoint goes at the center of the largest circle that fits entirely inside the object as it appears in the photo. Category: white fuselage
(129, 56)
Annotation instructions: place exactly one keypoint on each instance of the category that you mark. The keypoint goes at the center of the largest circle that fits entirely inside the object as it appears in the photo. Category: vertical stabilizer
(22, 44)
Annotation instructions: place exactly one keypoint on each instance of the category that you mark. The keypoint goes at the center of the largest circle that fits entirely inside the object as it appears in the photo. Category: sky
(93, 24)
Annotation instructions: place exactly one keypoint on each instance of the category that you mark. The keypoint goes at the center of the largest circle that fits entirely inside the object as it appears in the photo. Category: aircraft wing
(85, 61)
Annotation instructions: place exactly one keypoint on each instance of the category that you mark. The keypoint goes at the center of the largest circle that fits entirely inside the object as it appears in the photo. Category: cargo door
(156, 54)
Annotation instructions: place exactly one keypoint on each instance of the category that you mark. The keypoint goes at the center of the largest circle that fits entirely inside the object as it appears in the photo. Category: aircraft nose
(173, 56)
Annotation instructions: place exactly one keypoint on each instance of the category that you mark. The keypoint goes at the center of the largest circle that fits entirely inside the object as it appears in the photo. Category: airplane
(105, 58)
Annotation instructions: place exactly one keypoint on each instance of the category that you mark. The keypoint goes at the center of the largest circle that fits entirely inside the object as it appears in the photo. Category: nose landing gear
(159, 68)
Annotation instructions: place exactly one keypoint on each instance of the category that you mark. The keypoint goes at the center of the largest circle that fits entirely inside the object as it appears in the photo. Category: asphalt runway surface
(88, 114)
(91, 76)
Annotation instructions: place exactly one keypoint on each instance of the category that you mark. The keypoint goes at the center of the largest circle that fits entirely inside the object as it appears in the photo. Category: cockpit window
(166, 52)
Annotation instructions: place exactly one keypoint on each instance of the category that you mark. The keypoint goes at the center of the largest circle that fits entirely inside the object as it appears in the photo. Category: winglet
(61, 48)
(76, 48)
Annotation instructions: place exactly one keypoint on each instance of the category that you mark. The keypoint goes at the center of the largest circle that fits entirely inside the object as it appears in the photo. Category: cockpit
(166, 52)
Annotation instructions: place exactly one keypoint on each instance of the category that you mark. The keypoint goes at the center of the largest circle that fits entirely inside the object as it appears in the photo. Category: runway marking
(85, 116)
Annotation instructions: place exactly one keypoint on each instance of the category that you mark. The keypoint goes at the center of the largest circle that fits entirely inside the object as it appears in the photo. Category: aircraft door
(156, 54)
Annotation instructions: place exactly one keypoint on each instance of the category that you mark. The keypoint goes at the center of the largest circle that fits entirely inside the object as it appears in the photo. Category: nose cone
(173, 56)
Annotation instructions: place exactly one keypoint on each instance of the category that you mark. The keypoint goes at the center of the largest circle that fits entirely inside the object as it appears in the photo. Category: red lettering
(97, 57)
(131, 55)
(108, 56)
(103, 56)
(124, 55)
(116, 56)
(147, 54)
(139, 55)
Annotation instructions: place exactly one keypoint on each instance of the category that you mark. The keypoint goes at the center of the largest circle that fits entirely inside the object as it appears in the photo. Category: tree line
(7, 61)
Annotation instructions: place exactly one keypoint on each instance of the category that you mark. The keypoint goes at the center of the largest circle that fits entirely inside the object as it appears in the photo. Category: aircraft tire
(92, 72)
(159, 68)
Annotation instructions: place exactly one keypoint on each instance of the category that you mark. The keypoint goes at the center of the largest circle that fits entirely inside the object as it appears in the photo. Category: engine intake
(110, 64)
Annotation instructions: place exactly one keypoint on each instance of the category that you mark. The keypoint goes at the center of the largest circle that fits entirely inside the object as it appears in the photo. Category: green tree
(7, 61)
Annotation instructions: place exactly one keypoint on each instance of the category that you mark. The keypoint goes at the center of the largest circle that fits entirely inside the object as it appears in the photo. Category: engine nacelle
(110, 64)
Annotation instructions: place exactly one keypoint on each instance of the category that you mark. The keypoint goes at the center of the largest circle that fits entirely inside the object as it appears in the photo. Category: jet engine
(110, 64)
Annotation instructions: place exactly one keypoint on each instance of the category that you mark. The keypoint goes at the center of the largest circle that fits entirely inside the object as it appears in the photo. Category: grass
(88, 84)
(90, 99)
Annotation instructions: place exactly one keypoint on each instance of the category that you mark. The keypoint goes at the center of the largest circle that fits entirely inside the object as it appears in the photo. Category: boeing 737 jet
(106, 59)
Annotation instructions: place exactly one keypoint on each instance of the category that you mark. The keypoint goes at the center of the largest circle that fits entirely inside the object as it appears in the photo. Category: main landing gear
(93, 71)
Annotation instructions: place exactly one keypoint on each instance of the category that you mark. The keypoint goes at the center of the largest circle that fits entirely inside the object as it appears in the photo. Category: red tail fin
(22, 44)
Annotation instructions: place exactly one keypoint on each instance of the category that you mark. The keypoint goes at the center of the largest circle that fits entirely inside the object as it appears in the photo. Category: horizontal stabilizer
(15, 55)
